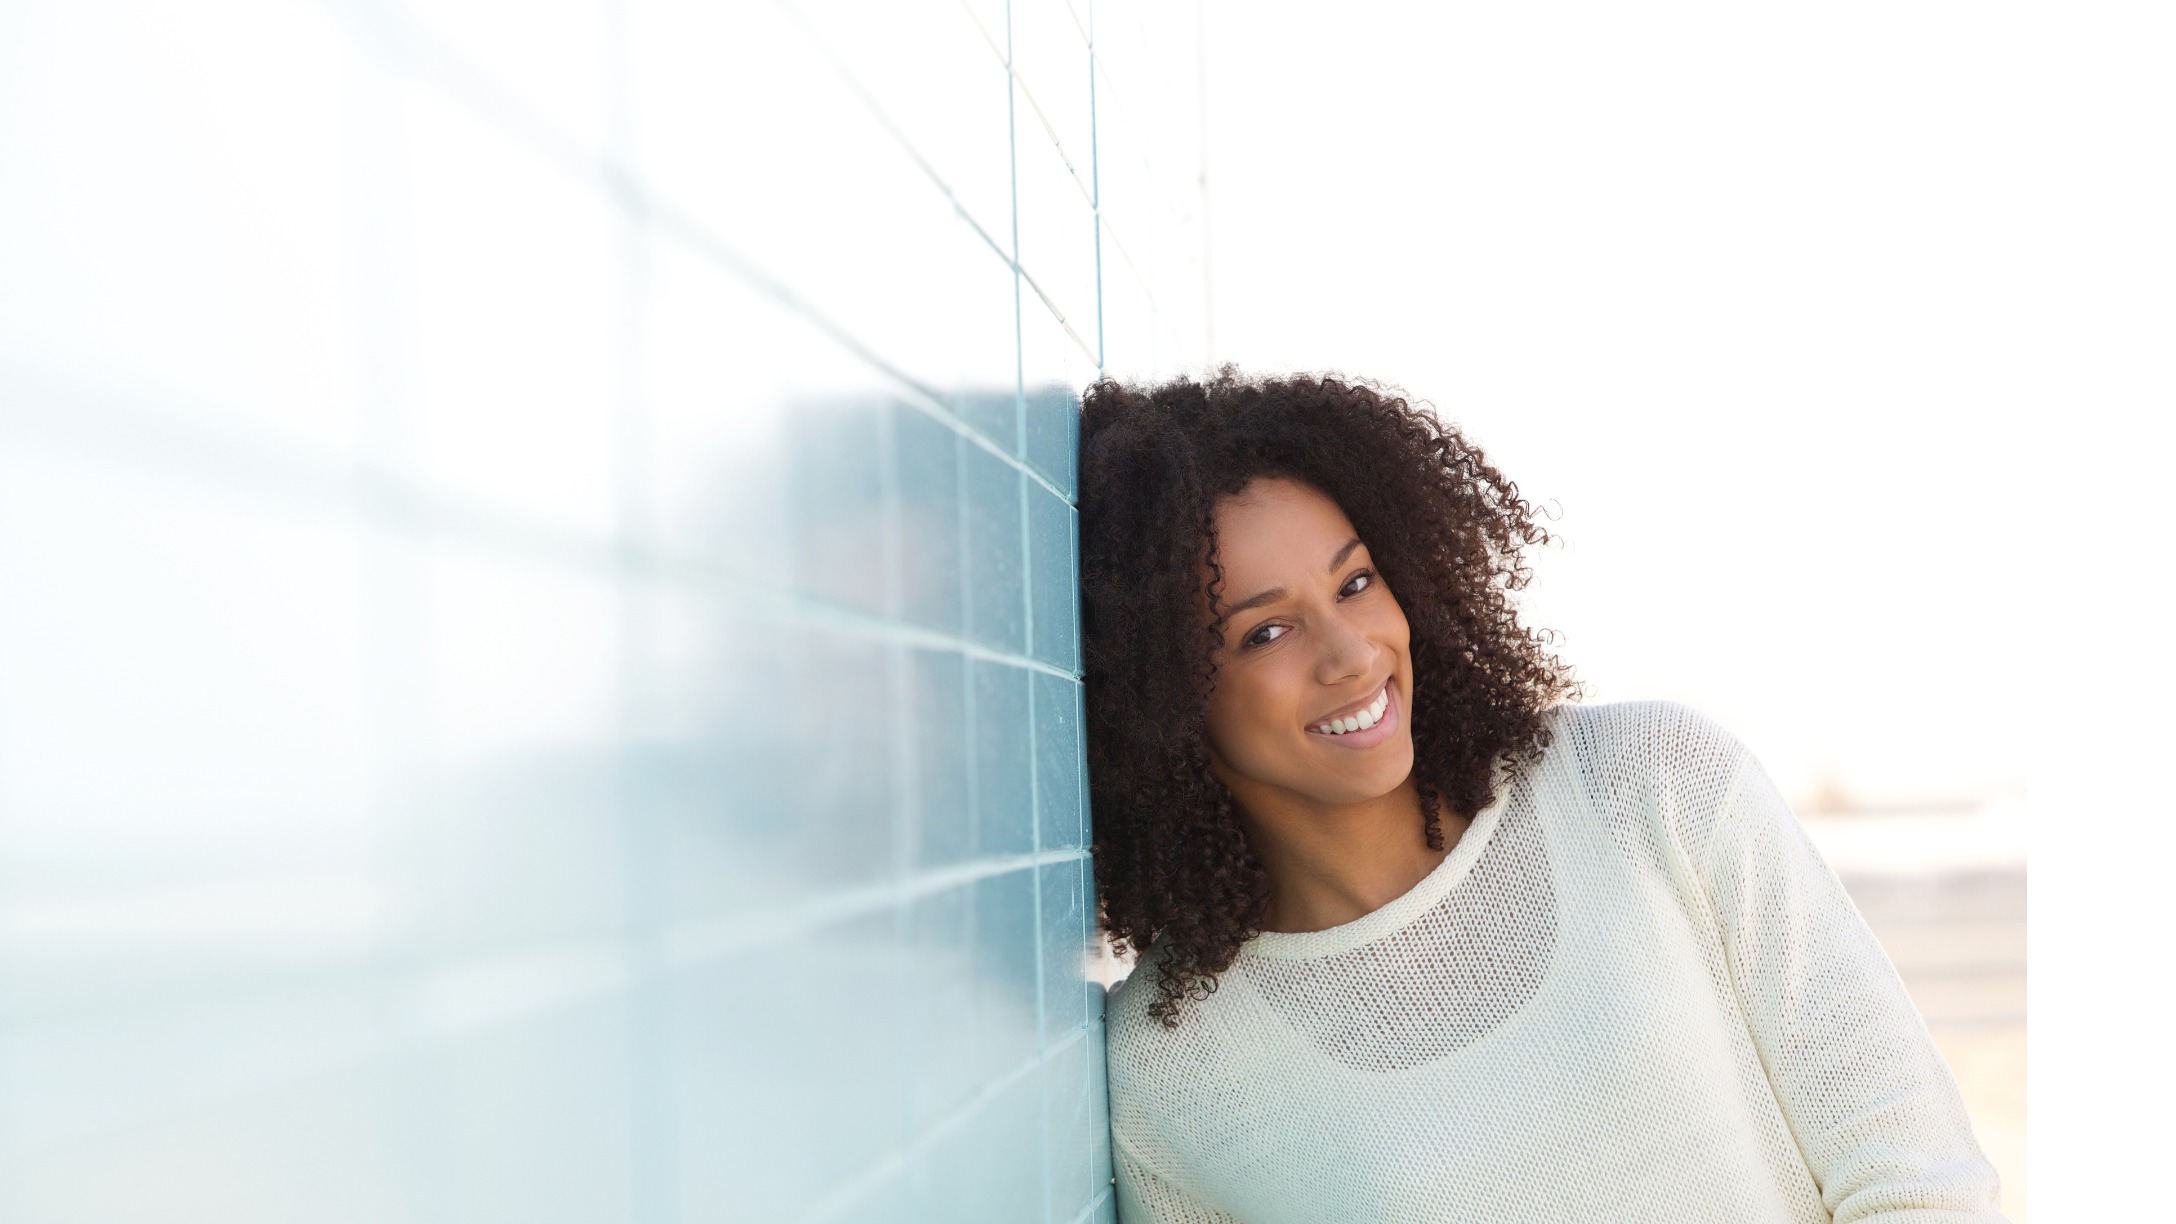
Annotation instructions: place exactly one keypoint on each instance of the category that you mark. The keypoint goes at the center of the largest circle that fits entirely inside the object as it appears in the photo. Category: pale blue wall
(538, 650)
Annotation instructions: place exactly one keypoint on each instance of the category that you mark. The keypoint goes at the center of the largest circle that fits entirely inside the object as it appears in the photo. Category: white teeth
(1359, 722)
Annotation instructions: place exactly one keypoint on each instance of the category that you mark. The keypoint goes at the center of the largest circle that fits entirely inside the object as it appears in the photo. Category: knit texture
(1632, 992)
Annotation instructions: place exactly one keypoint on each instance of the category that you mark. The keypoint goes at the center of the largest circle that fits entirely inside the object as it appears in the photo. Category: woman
(1418, 941)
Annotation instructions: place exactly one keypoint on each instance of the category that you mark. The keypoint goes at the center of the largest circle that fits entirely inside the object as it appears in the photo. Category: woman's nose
(1347, 653)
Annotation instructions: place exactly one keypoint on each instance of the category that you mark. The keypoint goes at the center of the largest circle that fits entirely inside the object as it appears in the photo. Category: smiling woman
(1418, 941)
(1225, 618)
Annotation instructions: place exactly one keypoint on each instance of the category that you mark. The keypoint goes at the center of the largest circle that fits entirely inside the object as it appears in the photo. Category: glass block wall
(538, 647)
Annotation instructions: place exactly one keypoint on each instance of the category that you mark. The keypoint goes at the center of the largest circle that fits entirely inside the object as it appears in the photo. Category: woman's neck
(1328, 866)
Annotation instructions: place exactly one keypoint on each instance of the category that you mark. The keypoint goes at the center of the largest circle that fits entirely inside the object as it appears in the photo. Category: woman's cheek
(1265, 717)
(1235, 724)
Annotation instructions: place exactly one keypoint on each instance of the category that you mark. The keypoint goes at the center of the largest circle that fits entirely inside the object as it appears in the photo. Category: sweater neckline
(1393, 915)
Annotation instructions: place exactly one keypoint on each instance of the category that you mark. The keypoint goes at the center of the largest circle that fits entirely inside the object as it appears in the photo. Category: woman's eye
(1358, 582)
(1265, 635)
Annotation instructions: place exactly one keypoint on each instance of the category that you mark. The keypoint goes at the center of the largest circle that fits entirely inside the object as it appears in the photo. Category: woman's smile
(1371, 721)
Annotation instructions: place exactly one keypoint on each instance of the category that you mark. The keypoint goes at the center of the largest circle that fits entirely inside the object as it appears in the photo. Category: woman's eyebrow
(1273, 594)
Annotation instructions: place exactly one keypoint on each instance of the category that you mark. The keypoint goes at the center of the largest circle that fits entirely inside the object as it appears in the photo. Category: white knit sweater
(1632, 992)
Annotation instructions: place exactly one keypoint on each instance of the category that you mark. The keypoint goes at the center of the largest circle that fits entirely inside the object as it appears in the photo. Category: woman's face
(1315, 680)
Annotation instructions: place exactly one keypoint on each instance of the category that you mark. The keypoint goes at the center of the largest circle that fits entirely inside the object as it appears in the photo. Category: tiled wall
(538, 649)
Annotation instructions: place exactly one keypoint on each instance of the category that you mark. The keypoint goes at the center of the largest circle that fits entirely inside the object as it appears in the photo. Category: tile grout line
(1005, 58)
(417, 52)
(700, 942)
(914, 154)
(281, 472)
(580, 967)
(859, 1187)
(1013, 90)
(891, 128)
(927, 401)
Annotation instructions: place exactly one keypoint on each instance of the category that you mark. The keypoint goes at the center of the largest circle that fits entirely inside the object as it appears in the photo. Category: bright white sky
(1752, 293)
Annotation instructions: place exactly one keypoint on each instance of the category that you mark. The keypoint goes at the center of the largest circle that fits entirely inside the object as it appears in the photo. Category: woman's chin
(1364, 778)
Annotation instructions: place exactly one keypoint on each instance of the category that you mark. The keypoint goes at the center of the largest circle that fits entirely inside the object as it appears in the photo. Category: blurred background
(538, 674)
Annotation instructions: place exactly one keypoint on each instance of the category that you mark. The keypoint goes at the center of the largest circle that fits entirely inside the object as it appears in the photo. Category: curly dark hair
(1447, 532)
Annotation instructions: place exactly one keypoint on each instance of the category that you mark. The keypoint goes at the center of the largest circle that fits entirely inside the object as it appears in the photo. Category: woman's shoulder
(1149, 1060)
(1140, 1040)
(1126, 1008)
(1659, 766)
(1642, 735)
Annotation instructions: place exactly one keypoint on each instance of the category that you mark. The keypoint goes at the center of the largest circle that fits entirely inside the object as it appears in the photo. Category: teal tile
(1053, 560)
(758, 1074)
(765, 772)
(1060, 769)
(1004, 783)
(996, 594)
(836, 502)
(783, 789)
(990, 1169)
(1071, 1120)
(993, 413)
(926, 456)
(1054, 366)
(1054, 434)
(831, 728)
(949, 1061)
(1070, 999)
(1006, 974)
(943, 764)
(525, 1120)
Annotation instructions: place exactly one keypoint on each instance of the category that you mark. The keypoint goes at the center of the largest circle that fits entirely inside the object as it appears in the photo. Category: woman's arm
(1875, 1110)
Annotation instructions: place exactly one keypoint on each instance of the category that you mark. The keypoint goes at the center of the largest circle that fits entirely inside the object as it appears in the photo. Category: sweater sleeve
(1874, 1108)
(1145, 1198)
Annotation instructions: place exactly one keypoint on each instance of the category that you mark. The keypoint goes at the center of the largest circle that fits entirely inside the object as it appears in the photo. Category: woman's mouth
(1365, 727)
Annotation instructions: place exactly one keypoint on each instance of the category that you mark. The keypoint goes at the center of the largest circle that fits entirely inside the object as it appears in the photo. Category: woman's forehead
(1277, 523)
